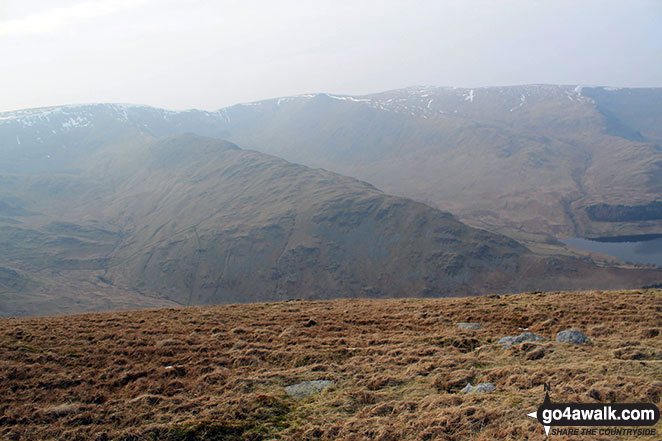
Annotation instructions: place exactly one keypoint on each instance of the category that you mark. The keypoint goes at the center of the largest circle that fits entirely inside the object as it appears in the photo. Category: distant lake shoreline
(644, 249)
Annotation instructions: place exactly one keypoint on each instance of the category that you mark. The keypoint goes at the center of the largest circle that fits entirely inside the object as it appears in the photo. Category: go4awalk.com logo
(586, 419)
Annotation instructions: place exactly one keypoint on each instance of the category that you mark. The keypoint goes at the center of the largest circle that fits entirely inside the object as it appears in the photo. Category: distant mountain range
(110, 206)
(535, 158)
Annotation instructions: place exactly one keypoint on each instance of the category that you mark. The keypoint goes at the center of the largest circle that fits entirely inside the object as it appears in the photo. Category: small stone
(571, 336)
(470, 326)
(307, 388)
(310, 323)
(523, 337)
(479, 388)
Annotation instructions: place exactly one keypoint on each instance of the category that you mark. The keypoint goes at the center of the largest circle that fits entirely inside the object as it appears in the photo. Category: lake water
(637, 249)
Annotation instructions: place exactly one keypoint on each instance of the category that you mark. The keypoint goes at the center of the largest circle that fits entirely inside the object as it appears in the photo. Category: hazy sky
(209, 54)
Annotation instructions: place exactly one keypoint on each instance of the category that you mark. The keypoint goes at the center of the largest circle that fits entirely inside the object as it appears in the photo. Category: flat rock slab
(479, 388)
(307, 388)
(470, 326)
(523, 337)
(572, 336)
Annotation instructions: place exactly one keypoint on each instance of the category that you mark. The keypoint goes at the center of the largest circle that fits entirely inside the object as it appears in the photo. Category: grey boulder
(307, 388)
(470, 326)
(572, 336)
(523, 337)
(479, 388)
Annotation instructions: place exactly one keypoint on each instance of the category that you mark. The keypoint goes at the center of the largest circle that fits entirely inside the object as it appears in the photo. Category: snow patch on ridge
(521, 103)
(470, 97)
(350, 98)
(73, 115)
(74, 122)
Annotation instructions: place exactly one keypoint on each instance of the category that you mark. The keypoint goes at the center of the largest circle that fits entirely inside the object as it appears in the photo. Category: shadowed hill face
(192, 220)
(637, 112)
(206, 223)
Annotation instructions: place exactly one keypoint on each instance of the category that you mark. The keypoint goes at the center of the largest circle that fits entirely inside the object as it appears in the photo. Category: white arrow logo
(535, 415)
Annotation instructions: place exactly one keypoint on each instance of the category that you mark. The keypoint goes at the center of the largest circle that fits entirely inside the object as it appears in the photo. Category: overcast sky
(210, 54)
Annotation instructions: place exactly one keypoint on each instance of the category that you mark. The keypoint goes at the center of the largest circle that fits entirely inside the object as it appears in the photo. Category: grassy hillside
(511, 159)
(218, 373)
(191, 220)
(185, 220)
(515, 160)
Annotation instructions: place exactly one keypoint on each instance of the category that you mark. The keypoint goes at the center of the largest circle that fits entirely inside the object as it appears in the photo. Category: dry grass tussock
(217, 373)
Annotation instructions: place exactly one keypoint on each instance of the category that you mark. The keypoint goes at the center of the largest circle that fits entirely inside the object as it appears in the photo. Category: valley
(546, 160)
(330, 220)
(110, 206)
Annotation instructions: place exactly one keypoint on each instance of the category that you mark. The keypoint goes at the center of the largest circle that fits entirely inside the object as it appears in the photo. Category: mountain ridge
(517, 159)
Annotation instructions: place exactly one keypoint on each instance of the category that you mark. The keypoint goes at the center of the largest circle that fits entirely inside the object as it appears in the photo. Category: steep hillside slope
(192, 220)
(530, 158)
(244, 226)
(534, 158)
(397, 366)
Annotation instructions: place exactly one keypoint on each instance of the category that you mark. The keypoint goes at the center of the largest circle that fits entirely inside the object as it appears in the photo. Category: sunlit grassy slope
(219, 372)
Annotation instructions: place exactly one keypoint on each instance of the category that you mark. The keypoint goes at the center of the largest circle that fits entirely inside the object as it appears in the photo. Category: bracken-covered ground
(219, 373)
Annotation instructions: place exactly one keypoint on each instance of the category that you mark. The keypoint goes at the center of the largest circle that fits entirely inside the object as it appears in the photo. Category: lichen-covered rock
(571, 336)
(479, 388)
(470, 326)
(307, 388)
(523, 337)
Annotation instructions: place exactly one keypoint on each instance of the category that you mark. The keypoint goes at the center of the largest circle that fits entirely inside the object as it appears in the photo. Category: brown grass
(218, 372)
